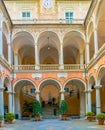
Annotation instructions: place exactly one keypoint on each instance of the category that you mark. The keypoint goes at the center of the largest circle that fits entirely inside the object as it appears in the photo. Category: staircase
(50, 111)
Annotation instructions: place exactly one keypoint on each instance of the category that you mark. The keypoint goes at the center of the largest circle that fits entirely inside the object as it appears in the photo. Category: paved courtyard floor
(53, 124)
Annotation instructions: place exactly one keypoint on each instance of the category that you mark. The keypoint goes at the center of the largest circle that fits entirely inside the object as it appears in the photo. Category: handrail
(50, 67)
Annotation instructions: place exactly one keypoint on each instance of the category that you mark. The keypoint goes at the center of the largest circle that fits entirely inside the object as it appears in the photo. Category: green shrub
(90, 114)
(63, 108)
(100, 116)
(10, 116)
(1, 117)
(37, 110)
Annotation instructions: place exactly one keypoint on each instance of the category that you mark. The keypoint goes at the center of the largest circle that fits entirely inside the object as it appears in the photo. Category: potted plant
(100, 117)
(90, 116)
(63, 108)
(37, 110)
(1, 118)
(9, 117)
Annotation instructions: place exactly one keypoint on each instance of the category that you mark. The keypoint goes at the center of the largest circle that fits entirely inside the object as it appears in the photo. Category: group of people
(51, 101)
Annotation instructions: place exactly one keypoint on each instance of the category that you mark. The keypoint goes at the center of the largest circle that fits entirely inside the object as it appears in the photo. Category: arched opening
(49, 93)
(93, 93)
(48, 44)
(101, 81)
(24, 50)
(5, 37)
(75, 97)
(73, 44)
(6, 89)
(24, 97)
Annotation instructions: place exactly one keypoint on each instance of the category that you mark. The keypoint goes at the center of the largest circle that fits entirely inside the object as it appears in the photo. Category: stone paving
(53, 124)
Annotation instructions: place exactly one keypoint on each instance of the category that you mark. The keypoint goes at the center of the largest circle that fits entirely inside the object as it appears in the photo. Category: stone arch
(50, 79)
(89, 30)
(6, 30)
(7, 83)
(73, 47)
(22, 80)
(18, 33)
(99, 11)
(23, 42)
(91, 82)
(100, 74)
(48, 46)
(78, 79)
(81, 34)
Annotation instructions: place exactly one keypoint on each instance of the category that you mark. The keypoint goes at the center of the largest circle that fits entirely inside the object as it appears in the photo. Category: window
(32, 90)
(69, 17)
(67, 90)
(25, 15)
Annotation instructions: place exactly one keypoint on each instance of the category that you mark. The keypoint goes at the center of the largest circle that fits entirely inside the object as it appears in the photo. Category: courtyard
(53, 124)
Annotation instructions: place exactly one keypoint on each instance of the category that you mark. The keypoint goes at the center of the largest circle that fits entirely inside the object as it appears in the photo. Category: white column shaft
(86, 101)
(81, 59)
(1, 43)
(1, 102)
(89, 101)
(95, 41)
(98, 101)
(10, 102)
(87, 53)
(61, 57)
(62, 96)
(16, 59)
(37, 96)
(9, 54)
(36, 57)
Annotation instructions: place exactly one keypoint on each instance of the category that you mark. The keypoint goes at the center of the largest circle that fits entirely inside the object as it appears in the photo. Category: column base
(61, 67)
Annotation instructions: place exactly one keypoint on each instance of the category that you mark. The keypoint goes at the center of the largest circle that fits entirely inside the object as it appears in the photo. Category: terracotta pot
(90, 118)
(0, 123)
(9, 121)
(101, 122)
(37, 118)
(64, 117)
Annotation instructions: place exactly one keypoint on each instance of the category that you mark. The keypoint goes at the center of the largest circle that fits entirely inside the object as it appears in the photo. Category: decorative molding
(36, 75)
(62, 75)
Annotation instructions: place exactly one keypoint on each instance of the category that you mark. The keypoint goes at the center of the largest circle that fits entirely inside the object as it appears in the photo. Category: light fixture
(48, 45)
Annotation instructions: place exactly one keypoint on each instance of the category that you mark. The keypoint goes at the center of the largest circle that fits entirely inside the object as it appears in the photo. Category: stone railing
(47, 21)
(95, 58)
(51, 67)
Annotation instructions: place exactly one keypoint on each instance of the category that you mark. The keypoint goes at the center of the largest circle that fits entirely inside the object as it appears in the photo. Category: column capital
(10, 92)
(62, 91)
(37, 92)
(98, 86)
(88, 91)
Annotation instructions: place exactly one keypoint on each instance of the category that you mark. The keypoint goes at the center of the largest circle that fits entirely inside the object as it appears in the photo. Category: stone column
(88, 101)
(61, 57)
(95, 41)
(1, 101)
(36, 57)
(37, 95)
(87, 53)
(81, 59)
(1, 40)
(10, 102)
(86, 93)
(16, 59)
(98, 104)
(9, 54)
(62, 95)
